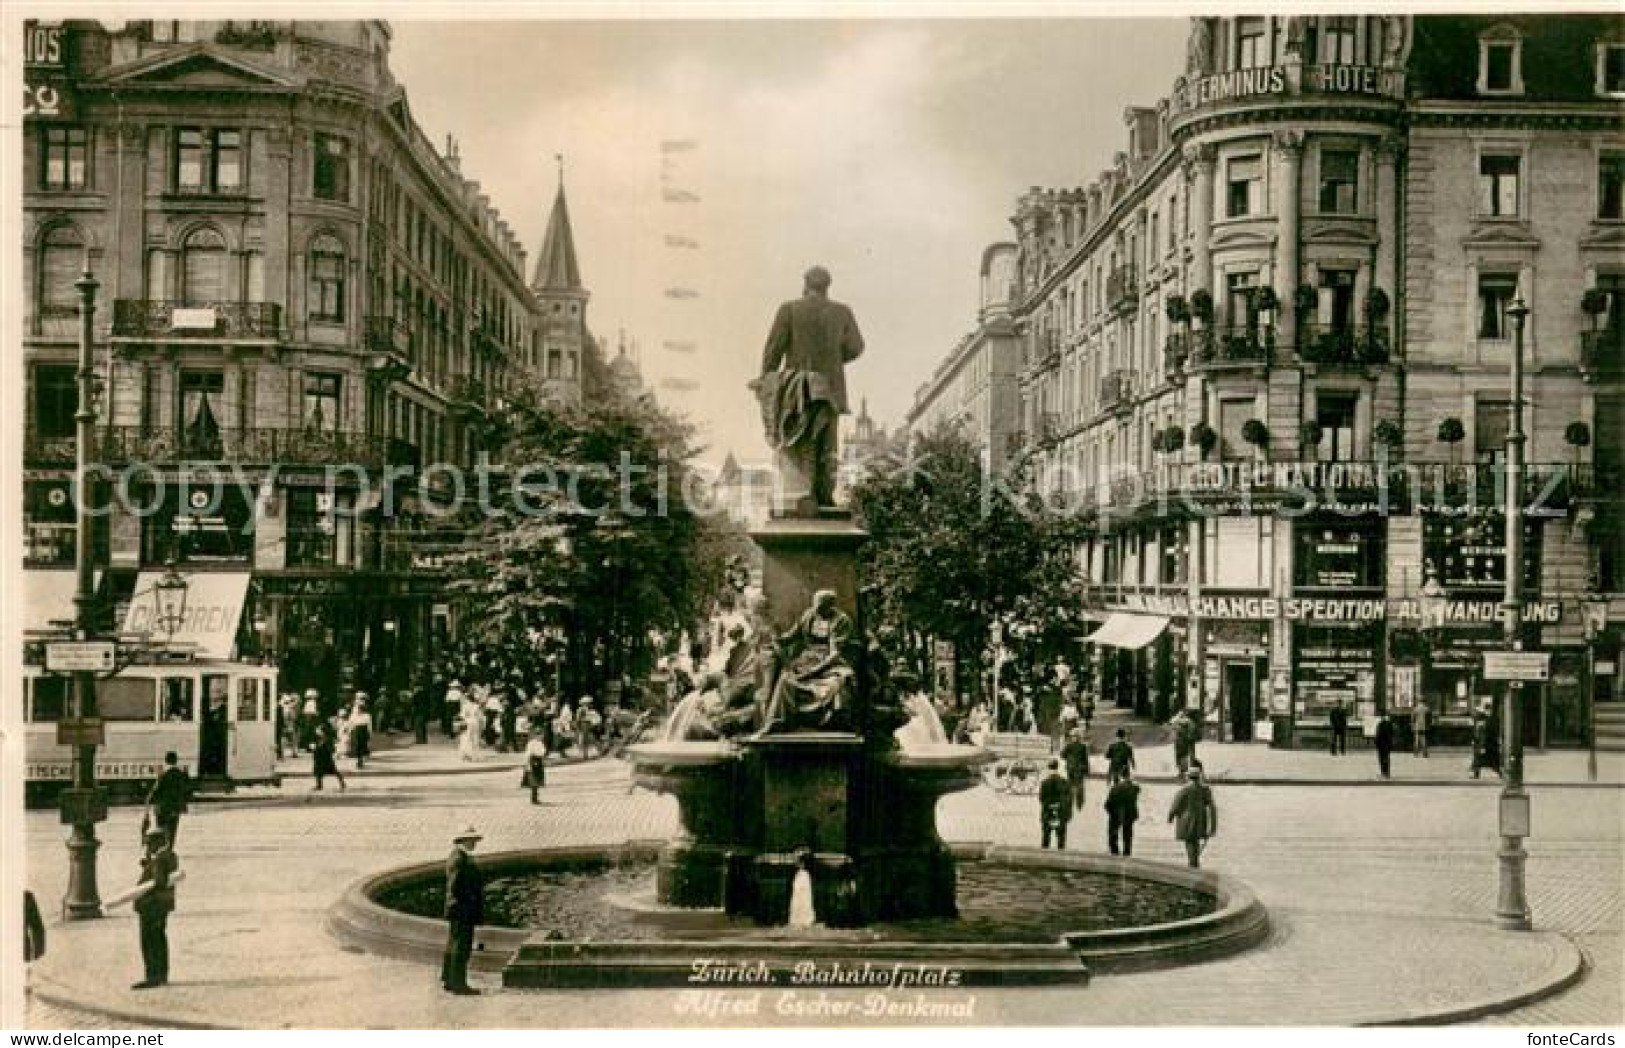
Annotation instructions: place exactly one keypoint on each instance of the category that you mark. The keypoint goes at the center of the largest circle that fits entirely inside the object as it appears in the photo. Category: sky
(709, 163)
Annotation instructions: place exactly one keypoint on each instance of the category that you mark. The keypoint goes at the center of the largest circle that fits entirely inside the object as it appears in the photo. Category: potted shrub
(1376, 303)
(1157, 444)
(1452, 432)
(1255, 433)
(1204, 437)
(1265, 300)
(1307, 300)
(1594, 303)
(1388, 434)
(1577, 436)
(1178, 312)
(1202, 306)
(1312, 433)
(1173, 439)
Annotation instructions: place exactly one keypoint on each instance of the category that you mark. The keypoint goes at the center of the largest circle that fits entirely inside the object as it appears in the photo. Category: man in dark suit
(153, 905)
(1122, 810)
(1340, 730)
(168, 797)
(1054, 806)
(812, 340)
(1384, 742)
(465, 909)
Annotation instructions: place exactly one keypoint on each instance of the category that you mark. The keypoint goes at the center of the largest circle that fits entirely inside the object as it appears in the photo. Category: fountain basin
(1013, 930)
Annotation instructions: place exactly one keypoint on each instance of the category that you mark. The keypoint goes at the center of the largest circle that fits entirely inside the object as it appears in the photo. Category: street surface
(1410, 865)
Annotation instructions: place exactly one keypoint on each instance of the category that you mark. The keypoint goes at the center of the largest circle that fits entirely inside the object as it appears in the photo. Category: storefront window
(1339, 556)
(1335, 663)
(51, 698)
(200, 524)
(1238, 552)
(1468, 554)
(126, 699)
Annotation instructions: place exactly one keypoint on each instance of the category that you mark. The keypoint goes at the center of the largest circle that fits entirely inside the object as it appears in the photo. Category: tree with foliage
(951, 552)
(588, 533)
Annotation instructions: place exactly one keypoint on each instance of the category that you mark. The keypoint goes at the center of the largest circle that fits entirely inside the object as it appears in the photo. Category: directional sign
(74, 656)
(86, 731)
(1517, 665)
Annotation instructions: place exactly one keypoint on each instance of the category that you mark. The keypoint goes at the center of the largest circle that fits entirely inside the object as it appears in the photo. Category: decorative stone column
(1390, 149)
(1200, 159)
(1289, 144)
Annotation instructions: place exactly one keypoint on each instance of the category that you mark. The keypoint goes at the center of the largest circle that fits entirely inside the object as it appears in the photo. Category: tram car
(217, 716)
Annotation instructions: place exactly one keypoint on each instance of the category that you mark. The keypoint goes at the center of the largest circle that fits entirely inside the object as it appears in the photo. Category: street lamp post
(83, 804)
(1595, 609)
(1512, 905)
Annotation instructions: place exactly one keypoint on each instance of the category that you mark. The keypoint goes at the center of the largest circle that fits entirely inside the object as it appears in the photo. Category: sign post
(1517, 665)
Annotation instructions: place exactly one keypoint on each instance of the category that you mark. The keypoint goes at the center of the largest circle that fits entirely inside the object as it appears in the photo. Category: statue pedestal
(802, 555)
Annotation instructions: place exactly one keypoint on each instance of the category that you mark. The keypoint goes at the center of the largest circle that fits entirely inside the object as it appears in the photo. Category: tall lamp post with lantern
(1512, 904)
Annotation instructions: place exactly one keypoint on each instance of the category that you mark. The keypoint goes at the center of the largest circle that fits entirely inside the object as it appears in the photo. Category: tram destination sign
(1517, 665)
(80, 656)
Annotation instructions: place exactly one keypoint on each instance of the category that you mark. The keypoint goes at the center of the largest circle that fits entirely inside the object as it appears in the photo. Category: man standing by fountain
(1194, 815)
(465, 908)
(1054, 806)
(802, 390)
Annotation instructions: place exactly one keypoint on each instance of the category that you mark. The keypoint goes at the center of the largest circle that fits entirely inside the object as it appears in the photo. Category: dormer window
(1500, 62)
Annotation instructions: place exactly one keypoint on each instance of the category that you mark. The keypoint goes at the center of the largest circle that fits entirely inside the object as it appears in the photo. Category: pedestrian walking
(1383, 742)
(1066, 722)
(1122, 811)
(33, 929)
(451, 704)
(1340, 730)
(1119, 757)
(166, 801)
(420, 700)
(1054, 806)
(509, 721)
(471, 716)
(564, 727)
(1075, 754)
(310, 715)
(1419, 728)
(588, 722)
(1180, 725)
(324, 761)
(465, 909)
(153, 905)
(1194, 815)
(359, 727)
(536, 761)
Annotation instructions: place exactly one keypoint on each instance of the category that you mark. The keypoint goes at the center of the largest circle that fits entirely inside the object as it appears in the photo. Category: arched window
(326, 279)
(61, 260)
(203, 267)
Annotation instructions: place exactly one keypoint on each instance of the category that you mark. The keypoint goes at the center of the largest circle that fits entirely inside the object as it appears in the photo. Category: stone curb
(1570, 970)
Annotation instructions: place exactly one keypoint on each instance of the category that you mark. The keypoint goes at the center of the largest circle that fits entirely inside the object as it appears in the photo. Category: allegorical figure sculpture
(814, 691)
(802, 389)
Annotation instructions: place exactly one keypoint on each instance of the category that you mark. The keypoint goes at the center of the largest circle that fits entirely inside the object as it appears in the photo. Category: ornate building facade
(299, 293)
(1266, 354)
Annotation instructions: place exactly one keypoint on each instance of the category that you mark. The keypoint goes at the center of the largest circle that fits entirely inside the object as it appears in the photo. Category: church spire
(556, 268)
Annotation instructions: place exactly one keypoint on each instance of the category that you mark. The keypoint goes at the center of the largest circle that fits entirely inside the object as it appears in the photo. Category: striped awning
(1125, 630)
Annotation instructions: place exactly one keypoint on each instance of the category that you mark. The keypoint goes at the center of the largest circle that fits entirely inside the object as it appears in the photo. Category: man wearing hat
(1054, 806)
(167, 799)
(465, 909)
(1194, 815)
(153, 905)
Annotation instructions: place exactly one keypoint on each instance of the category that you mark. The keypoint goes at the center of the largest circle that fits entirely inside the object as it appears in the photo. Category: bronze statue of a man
(802, 390)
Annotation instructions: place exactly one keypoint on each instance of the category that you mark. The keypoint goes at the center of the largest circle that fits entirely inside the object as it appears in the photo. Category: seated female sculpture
(814, 691)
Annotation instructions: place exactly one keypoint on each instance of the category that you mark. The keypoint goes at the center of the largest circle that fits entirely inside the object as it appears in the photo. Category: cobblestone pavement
(1380, 901)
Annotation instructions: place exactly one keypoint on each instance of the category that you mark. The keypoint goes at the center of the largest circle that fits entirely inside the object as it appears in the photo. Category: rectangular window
(56, 398)
(311, 528)
(1335, 414)
(1238, 553)
(1339, 556)
(326, 285)
(1339, 181)
(1495, 293)
(52, 698)
(1611, 69)
(332, 168)
(1492, 421)
(1500, 65)
(65, 164)
(209, 161)
(1337, 298)
(1611, 186)
(127, 699)
(1336, 44)
(1244, 186)
(1239, 314)
(1498, 178)
(1250, 43)
(1233, 417)
(321, 408)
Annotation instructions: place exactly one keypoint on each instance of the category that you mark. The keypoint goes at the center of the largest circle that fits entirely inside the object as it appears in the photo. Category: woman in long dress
(472, 713)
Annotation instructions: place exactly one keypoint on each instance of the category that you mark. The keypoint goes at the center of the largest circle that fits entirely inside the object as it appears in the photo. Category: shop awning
(48, 598)
(214, 606)
(1124, 630)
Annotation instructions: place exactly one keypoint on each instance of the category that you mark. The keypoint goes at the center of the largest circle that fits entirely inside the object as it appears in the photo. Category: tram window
(51, 698)
(126, 699)
(248, 704)
(178, 699)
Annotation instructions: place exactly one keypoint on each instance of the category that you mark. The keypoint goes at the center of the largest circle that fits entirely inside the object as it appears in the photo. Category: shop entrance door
(1240, 685)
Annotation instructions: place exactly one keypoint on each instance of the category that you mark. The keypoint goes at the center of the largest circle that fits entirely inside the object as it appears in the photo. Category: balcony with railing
(1116, 391)
(1350, 344)
(1122, 290)
(1231, 347)
(1602, 353)
(255, 446)
(142, 318)
(49, 449)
